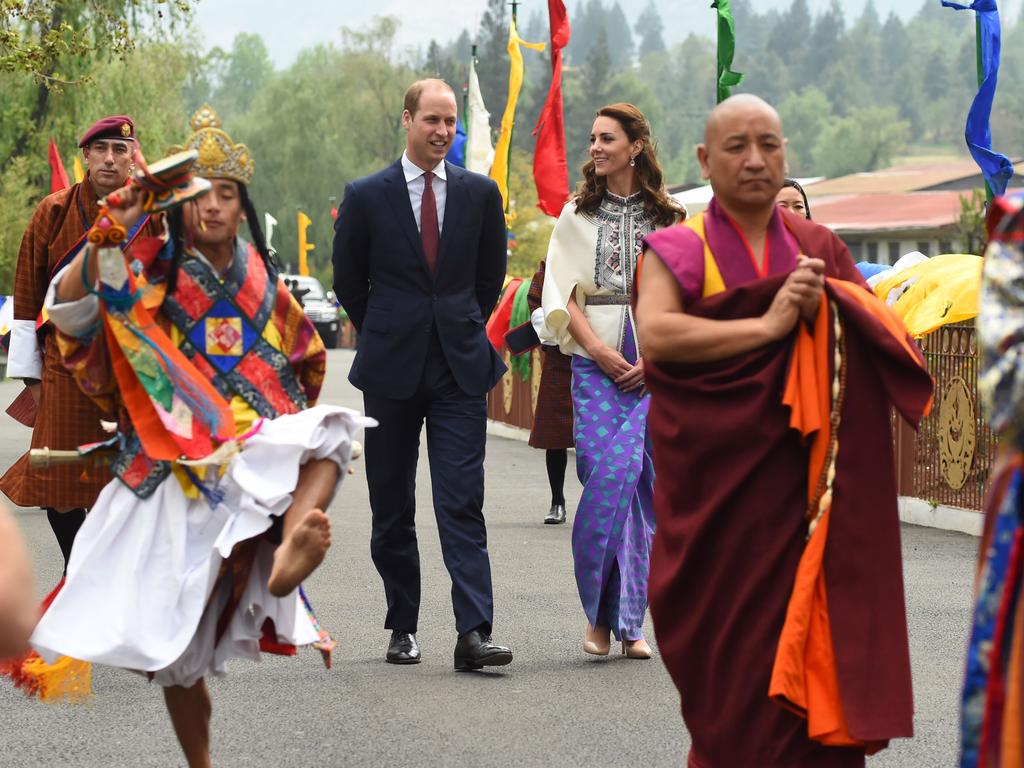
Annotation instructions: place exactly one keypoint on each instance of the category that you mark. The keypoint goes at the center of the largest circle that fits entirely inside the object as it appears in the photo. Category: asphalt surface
(554, 706)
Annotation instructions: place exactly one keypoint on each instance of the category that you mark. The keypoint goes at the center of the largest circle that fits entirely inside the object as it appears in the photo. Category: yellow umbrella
(945, 290)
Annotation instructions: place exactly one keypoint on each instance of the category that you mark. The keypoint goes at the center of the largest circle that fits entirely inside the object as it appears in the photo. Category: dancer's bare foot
(300, 553)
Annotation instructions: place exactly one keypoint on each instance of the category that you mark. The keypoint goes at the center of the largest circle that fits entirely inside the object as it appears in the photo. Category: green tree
(804, 117)
(862, 56)
(825, 46)
(865, 140)
(17, 200)
(150, 81)
(583, 92)
(791, 32)
(247, 70)
(57, 43)
(753, 27)
(616, 27)
(970, 224)
(648, 30)
(531, 227)
(598, 69)
(587, 20)
(492, 57)
(683, 81)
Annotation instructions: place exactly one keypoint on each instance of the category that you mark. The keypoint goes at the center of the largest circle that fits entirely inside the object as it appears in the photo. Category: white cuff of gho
(24, 360)
(75, 318)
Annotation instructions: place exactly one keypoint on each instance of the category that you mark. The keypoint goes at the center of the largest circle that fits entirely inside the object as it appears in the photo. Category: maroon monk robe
(730, 504)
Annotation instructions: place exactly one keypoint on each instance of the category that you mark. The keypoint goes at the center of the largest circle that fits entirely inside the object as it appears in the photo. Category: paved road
(553, 707)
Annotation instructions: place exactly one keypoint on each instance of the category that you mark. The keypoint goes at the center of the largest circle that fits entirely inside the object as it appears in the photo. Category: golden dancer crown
(219, 156)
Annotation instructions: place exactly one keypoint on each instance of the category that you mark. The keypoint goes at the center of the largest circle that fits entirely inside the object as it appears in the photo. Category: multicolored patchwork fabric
(993, 694)
(244, 332)
(230, 325)
(1001, 337)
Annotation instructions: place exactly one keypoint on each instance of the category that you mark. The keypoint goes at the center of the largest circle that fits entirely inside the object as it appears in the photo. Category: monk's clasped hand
(807, 281)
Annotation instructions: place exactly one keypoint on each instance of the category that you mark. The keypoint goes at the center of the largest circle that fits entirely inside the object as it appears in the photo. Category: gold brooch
(126, 130)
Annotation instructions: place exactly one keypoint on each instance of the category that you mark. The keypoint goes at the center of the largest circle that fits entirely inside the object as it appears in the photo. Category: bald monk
(772, 439)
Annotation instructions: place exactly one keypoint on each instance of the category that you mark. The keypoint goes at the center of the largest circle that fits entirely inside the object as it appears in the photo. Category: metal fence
(949, 459)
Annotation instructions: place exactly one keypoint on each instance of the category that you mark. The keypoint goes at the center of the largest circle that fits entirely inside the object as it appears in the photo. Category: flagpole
(465, 91)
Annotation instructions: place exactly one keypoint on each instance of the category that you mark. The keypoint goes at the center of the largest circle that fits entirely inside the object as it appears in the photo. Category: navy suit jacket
(382, 280)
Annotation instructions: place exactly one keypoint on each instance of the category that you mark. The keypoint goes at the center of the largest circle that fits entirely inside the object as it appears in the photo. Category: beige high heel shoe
(636, 649)
(598, 641)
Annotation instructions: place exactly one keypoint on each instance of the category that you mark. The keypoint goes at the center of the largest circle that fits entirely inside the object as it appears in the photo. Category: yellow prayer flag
(499, 171)
(304, 247)
(79, 170)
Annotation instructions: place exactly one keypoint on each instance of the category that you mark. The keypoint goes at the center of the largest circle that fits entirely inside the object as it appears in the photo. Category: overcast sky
(288, 27)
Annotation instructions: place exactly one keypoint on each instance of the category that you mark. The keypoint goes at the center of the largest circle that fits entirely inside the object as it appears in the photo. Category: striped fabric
(67, 418)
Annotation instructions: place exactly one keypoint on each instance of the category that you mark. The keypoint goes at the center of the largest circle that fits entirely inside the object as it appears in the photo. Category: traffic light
(304, 247)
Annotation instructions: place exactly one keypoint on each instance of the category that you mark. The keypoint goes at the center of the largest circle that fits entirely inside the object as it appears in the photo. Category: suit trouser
(456, 440)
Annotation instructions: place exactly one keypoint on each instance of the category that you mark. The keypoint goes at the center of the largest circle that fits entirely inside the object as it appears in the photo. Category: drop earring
(632, 162)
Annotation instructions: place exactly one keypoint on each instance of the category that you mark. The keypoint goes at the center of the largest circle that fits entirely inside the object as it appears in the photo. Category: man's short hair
(411, 103)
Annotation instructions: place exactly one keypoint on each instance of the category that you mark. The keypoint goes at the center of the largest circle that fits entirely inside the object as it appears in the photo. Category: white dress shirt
(414, 180)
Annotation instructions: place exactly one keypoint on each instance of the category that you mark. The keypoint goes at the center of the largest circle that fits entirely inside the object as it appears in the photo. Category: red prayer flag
(58, 176)
(550, 169)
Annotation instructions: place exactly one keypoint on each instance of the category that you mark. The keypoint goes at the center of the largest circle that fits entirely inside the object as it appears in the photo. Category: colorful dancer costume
(993, 697)
(214, 377)
(595, 256)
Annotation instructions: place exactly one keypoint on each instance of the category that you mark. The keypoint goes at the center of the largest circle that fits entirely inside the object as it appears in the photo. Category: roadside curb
(920, 512)
(507, 431)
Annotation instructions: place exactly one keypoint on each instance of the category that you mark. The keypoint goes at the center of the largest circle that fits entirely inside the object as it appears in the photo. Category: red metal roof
(873, 213)
(897, 179)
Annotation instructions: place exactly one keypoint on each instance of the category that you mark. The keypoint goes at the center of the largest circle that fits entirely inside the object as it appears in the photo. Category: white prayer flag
(479, 150)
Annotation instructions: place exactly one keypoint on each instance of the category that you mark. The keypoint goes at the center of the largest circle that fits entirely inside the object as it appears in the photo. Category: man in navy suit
(419, 261)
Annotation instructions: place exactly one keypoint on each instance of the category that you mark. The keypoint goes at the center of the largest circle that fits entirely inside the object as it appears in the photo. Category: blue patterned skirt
(614, 524)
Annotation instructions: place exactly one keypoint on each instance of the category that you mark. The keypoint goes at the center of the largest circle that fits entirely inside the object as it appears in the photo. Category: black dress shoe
(556, 516)
(475, 650)
(403, 649)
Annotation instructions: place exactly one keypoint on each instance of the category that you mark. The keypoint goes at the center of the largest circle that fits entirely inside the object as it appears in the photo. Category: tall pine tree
(648, 30)
(620, 39)
(492, 58)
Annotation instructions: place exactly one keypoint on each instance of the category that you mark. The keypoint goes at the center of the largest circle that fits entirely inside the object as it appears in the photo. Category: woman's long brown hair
(656, 199)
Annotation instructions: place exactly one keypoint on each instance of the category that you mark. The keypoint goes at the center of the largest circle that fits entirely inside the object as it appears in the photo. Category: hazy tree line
(854, 94)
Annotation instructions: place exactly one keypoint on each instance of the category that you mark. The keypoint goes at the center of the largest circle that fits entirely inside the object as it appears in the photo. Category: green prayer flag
(520, 315)
(726, 50)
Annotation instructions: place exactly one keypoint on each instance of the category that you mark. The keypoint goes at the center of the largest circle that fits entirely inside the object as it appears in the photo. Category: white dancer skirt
(140, 581)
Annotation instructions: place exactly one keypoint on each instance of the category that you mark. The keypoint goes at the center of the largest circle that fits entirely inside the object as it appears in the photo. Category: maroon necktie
(429, 234)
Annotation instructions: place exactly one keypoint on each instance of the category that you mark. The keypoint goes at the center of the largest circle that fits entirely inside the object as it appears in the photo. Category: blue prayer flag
(457, 154)
(996, 168)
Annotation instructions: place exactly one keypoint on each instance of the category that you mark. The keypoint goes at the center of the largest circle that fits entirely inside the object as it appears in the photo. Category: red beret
(113, 127)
